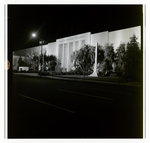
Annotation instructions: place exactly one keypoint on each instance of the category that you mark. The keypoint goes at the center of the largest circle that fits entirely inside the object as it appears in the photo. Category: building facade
(64, 47)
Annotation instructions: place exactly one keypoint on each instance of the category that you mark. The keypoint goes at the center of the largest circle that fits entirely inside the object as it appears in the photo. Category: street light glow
(33, 35)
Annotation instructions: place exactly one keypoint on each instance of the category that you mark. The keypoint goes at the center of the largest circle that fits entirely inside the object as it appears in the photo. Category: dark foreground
(50, 108)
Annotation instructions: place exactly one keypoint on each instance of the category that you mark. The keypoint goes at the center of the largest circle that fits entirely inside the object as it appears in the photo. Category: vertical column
(94, 74)
(68, 56)
(65, 55)
(74, 46)
(80, 44)
(70, 51)
(62, 55)
(77, 45)
(57, 50)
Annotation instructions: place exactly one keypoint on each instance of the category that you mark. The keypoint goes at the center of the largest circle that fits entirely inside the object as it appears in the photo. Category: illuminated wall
(51, 49)
(123, 36)
(67, 45)
(100, 38)
(25, 52)
(64, 47)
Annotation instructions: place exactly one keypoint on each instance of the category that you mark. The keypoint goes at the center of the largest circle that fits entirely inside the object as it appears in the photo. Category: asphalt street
(51, 108)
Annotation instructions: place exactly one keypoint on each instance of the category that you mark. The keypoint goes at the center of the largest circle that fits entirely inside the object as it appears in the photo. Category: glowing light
(33, 35)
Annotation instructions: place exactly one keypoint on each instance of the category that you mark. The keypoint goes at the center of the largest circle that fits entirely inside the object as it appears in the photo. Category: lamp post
(41, 42)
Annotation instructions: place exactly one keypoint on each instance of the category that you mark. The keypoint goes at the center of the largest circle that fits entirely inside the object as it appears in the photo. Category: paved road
(50, 108)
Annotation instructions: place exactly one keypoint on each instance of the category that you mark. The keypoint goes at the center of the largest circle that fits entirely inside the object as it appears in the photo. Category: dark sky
(58, 21)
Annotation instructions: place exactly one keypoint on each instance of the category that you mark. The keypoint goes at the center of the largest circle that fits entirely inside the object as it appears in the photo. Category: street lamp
(41, 42)
(33, 35)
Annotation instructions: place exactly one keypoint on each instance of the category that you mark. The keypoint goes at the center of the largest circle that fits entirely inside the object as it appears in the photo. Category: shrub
(133, 60)
(120, 59)
(106, 58)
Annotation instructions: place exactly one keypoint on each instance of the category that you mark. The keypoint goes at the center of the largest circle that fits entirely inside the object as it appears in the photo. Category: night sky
(57, 21)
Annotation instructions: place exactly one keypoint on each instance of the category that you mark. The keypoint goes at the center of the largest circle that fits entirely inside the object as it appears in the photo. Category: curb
(82, 80)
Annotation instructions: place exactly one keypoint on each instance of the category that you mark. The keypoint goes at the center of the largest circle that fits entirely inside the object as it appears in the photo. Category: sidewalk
(82, 78)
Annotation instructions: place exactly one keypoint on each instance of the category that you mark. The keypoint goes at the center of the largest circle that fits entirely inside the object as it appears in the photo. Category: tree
(100, 54)
(109, 57)
(109, 53)
(52, 61)
(84, 58)
(100, 58)
(133, 60)
(26, 62)
(120, 59)
(20, 62)
(73, 57)
(33, 60)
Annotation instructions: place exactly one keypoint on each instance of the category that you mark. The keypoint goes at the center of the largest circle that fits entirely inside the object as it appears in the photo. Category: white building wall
(25, 52)
(67, 45)
(123, 36)
(100, 38)
(64, 47)
(51, 49)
